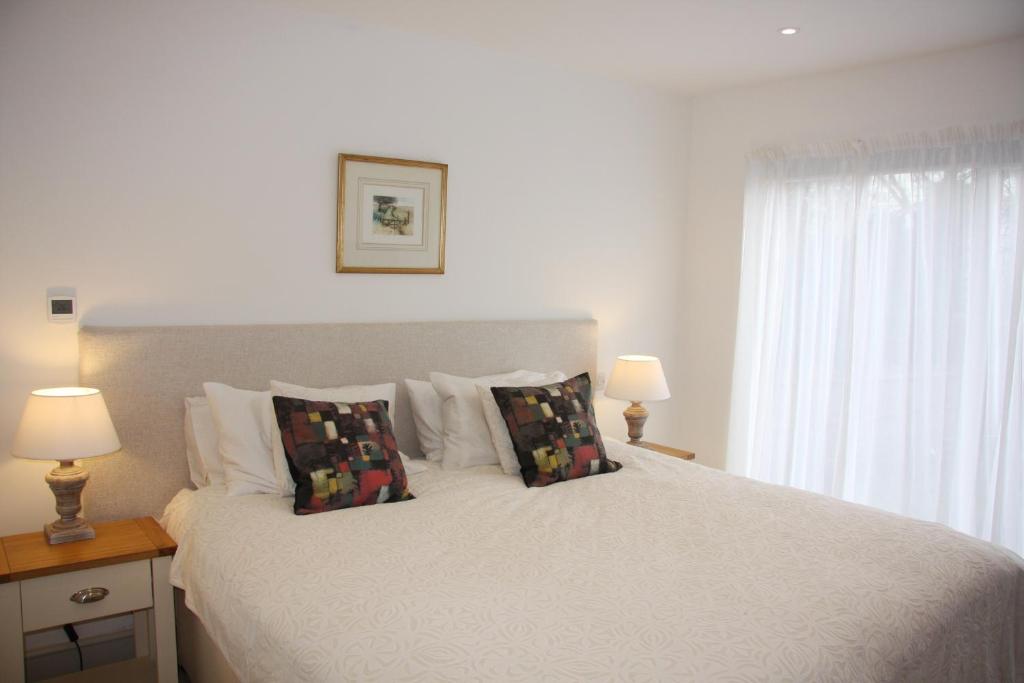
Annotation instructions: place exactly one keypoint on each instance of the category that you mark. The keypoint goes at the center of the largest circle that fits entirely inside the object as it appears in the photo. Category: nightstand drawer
(46, 601)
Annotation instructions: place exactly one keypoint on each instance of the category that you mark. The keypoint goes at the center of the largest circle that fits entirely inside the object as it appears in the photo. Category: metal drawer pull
(87, 595)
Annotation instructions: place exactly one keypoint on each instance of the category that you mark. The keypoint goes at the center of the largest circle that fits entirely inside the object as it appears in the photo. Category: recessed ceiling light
(789, 30)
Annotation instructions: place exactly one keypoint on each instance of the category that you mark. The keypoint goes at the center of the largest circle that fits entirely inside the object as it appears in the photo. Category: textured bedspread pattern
(665, 571)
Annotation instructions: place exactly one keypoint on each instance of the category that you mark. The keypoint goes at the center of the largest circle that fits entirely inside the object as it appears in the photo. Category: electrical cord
(73, 637)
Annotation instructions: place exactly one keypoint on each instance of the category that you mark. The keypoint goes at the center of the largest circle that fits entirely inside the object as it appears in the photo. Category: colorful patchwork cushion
(554, 431)
(340, 455)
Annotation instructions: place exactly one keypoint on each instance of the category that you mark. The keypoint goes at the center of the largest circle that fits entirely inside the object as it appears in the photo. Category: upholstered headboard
(146, 372)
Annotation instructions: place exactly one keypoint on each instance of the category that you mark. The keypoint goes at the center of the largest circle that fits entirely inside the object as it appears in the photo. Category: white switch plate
(602, 380)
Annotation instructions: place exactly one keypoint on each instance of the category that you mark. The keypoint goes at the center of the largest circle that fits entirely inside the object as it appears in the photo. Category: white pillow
(427, 407)
(500, 437)
(204, 466)
(243, 435)
(350, 394)
(412, 466)
(467, 439)
(426, 413)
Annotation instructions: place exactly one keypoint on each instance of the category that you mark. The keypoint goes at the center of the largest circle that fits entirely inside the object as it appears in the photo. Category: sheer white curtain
(880, 347)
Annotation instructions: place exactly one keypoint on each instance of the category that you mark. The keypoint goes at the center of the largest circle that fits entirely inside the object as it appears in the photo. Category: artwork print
(391, 215)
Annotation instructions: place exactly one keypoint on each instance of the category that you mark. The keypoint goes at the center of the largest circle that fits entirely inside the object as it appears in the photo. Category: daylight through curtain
(880, 347)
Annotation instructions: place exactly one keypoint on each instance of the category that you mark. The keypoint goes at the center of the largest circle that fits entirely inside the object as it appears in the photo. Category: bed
(665, 570)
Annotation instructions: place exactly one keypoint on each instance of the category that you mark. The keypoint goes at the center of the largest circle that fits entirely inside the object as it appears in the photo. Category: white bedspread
(665, 570)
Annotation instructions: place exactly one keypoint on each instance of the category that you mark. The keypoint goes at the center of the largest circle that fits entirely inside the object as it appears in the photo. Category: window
(880, 347)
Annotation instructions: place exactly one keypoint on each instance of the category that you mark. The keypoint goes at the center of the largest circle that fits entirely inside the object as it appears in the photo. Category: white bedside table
(43, 586)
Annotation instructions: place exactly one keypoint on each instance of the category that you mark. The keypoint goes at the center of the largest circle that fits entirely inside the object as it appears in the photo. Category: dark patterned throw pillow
(340, 455)
(554, 431)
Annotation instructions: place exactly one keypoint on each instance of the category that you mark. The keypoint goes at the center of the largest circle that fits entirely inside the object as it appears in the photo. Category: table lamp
(637, 379)
(66, 424)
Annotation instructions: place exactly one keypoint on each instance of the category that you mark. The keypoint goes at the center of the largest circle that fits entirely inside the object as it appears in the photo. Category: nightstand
(668, 450)
(123, 570)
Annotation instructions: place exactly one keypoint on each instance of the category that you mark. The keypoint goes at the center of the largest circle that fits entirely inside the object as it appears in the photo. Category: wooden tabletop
(5, 569)
(26, 556)
(668, 450)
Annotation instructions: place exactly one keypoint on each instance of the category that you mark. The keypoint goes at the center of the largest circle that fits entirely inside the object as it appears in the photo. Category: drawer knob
(87, 595)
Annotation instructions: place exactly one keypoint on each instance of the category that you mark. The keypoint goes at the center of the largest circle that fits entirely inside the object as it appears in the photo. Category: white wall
(976, 86)
(176, 163)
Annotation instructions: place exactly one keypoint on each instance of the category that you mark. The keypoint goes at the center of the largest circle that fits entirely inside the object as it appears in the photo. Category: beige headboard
(146, 372)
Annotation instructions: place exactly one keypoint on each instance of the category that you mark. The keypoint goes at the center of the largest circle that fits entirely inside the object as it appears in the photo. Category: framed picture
(391, 215)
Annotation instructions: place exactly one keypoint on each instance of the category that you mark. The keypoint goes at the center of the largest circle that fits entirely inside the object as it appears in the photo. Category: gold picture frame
(391, 215)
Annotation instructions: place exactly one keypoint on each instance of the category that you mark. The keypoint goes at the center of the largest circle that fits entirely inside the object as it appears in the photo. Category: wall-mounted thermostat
(61, 309)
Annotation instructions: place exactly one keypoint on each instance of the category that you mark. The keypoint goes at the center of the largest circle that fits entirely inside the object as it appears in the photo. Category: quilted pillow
(554, 431)
(340, 455)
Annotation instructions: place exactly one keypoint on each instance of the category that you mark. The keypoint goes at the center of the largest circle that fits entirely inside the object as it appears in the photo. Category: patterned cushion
(340, 454)
(554, 431)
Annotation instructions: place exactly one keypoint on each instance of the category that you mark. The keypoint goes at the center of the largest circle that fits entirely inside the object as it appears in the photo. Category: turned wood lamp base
(636, 416)
(67, 481)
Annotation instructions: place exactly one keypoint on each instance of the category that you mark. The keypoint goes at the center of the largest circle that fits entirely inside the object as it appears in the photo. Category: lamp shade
(637, 378)
(69, 423)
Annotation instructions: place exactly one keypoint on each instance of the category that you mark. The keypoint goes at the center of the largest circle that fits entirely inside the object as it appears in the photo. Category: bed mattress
(665, 570)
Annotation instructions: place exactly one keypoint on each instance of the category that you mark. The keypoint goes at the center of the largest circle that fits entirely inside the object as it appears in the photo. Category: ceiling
(695, 45)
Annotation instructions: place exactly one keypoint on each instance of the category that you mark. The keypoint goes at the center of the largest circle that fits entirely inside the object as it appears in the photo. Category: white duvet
(665, 570)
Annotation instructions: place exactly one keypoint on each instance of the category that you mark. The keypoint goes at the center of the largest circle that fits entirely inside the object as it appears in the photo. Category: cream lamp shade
(66, 424)
(637, 379)
(69, 423)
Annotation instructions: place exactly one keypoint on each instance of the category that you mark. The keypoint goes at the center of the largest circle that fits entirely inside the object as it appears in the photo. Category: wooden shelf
(142, 670)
